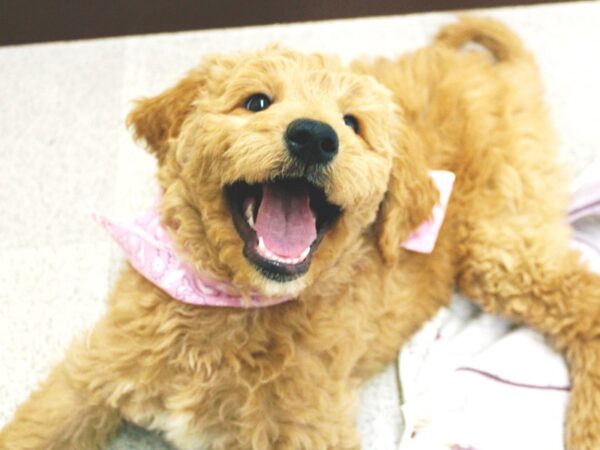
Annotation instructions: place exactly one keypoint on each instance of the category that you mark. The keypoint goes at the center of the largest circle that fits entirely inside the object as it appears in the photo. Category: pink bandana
(151, 252)
(422, 240)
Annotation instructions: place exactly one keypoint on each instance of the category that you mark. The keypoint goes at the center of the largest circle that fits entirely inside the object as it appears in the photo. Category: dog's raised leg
(64, 414)
(522, 268)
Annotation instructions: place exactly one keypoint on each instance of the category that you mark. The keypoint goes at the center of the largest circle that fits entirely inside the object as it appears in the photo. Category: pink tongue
(285, 221)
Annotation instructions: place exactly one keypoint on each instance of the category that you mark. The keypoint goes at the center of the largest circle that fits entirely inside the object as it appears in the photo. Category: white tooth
(249, 213)
(261, 244)
(304, 253)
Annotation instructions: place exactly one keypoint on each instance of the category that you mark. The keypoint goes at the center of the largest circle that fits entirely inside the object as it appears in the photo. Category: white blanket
(470, 381)
(64, 153)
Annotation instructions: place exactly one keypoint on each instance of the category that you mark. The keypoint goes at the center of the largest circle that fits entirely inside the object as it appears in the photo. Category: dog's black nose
(311, 141)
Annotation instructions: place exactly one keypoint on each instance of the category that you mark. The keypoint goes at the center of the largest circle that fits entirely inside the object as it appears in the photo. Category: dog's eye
(352, 122)
(257, 102)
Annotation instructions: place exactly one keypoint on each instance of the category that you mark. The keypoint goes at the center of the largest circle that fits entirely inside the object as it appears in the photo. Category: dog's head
(274, 163)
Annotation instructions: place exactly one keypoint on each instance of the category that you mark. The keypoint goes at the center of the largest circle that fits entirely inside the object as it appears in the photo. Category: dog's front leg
(529, 274)
(63, 414)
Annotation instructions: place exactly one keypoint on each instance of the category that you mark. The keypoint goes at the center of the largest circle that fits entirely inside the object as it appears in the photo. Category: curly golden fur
(286, 377)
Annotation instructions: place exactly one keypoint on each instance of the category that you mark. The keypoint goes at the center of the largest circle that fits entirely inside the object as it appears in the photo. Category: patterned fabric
(151, 252)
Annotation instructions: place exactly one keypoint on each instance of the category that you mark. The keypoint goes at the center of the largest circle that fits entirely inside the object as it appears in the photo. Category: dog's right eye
(257, 102)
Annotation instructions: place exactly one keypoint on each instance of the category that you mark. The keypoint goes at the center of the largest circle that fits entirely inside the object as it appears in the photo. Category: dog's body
(286, 377)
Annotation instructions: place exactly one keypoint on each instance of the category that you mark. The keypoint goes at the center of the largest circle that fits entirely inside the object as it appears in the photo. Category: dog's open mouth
(281, 223)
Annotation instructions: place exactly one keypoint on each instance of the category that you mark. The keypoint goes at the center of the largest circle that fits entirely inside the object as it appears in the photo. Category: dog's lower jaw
(292, 288)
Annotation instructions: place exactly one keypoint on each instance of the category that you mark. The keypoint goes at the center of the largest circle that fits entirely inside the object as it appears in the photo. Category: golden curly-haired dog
(286, 376)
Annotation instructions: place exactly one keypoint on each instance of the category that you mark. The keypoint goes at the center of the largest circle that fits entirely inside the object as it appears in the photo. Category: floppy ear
(157, 119)
(409, 200)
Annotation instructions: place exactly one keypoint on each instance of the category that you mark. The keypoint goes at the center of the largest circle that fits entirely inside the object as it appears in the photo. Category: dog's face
(272, 164)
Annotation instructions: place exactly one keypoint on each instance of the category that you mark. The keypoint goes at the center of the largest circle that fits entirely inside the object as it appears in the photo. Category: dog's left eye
(257, 102)
(352, 122)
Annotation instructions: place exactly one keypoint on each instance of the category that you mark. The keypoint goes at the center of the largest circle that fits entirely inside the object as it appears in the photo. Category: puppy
(293, 181)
